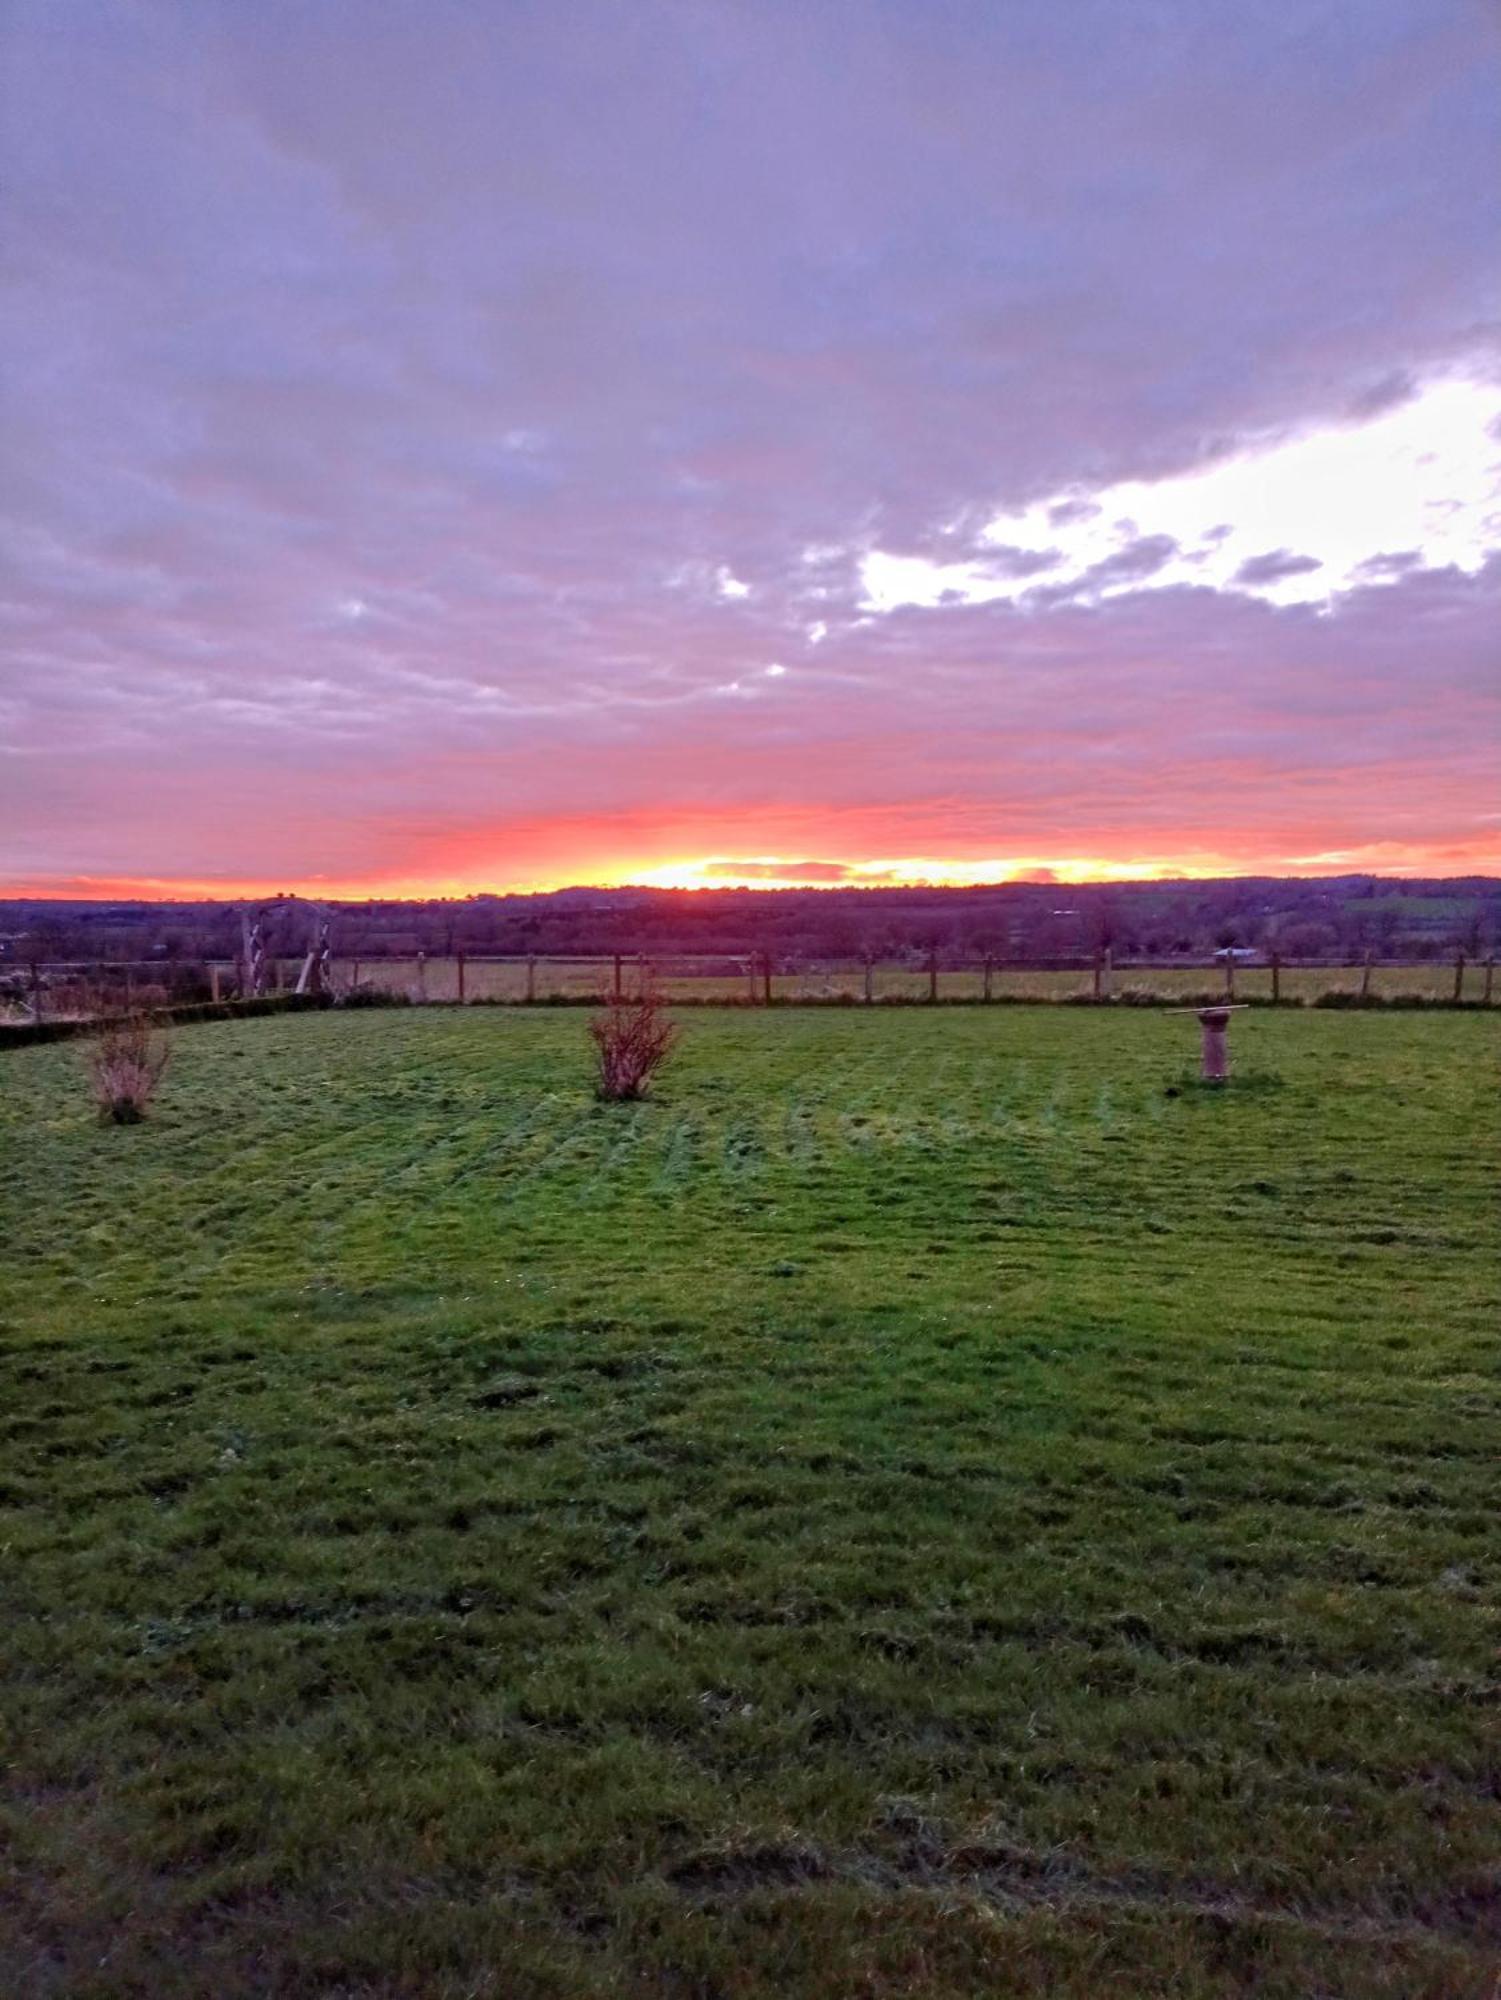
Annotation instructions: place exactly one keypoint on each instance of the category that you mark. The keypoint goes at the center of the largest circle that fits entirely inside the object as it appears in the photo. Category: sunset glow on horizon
(467, 450)
(709, 873)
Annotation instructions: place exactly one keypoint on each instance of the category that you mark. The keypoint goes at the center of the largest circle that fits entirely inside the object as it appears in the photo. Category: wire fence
(81, 990)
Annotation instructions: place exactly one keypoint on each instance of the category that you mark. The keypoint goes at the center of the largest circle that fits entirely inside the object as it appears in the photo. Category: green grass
(934, 1504)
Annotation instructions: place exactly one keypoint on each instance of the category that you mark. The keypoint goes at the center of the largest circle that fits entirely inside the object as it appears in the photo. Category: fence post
(1099, 974)
(354, 975)
(1490, 973)
(36, 990)
(422, 975)
(766, 977)
(989, 969)
(130, 990)
(932, 977)
(870, 980)
(213, 983)
(1276, 977)
(615, 987)
(1365, 978)
(1459, 975)
(461, 978)
(531, 977)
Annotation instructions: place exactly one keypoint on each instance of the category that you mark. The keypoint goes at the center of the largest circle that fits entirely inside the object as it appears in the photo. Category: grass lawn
(934, 1504)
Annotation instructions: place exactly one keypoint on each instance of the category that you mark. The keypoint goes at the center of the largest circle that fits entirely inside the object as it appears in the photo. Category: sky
(448, 447)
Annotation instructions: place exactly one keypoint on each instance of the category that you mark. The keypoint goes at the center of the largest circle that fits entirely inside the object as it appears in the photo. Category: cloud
(1004, 562)
(1277, 564)
(1393, 563)
(410, 437)
(1420, 467)
(783, 871)
(1395, 388)
(1146, 556)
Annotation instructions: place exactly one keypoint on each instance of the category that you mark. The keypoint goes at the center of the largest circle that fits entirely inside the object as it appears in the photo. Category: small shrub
(126, 1065)
(632, 1038)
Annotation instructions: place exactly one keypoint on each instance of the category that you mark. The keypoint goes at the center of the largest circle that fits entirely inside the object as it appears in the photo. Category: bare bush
(633, 1038)
(125, 1066)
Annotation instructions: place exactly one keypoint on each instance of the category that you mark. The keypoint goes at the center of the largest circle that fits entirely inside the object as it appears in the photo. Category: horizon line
(146, 892)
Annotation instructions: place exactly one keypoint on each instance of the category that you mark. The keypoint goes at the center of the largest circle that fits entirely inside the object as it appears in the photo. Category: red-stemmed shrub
(125, 1066)
(633, 1037)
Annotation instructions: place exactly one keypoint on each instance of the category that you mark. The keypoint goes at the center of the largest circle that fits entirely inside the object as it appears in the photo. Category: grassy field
(507, 980)
(935, 1504)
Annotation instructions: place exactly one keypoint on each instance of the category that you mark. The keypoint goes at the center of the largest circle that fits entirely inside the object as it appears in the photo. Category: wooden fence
(79, 989)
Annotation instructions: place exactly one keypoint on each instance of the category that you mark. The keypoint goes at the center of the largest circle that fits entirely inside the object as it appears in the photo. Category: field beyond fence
(752, 981)
(81, 991)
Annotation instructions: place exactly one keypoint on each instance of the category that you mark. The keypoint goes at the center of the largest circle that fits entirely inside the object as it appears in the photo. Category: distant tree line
(1344, 917)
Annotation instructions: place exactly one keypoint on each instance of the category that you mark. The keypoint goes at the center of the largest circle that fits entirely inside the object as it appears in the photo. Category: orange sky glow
(770, 871)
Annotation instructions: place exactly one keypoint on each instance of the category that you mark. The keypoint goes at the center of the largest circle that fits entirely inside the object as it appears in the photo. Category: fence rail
(83, 989)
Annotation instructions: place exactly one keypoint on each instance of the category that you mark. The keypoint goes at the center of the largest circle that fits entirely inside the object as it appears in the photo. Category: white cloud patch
(1300, 519)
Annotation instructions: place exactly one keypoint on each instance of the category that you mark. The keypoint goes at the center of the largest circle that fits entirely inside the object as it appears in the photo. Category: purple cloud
(1398, 562)
(1135, 563)
(1275, 565)
(387, 392)
(789, 871)
(1010, 562)
(1393, 389)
